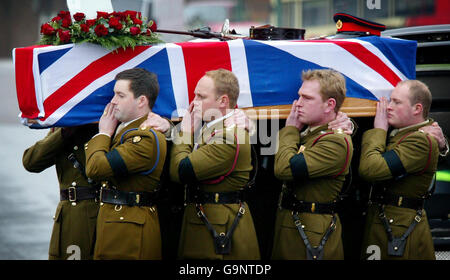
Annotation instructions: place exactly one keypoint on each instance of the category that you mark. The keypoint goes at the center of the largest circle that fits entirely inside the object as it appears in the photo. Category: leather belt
(201, 197)
(400, 201)
(289, 201)
(74, 194)
(118, 197)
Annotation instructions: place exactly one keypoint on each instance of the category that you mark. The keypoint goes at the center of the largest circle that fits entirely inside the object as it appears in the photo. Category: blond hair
(225, 82)
(418, 93)
(332, 84)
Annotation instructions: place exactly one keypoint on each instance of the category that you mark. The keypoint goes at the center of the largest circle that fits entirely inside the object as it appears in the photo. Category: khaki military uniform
(325, 158)
(212, 158)
(73, 234)
(418, 155)
(127, 232)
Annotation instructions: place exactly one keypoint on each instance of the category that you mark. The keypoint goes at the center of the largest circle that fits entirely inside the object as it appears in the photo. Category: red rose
(66, 22)
(91, 22)
(47, 29)
(152, 25)
(56, 18)
(132, 14)
(135, 30)
(84, 27)
(120, 15)
(64, 36)
(102, 15)
(64, 14)
(101, 30)
(137, 21)
(115, 23)
(79, 16)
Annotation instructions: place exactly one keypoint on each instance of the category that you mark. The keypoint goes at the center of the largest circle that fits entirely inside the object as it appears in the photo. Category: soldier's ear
(142, 101)
(224, 101)
(417, 109)
(331, 104)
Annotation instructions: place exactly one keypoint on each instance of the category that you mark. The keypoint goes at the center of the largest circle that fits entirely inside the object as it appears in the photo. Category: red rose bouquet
(111, 30)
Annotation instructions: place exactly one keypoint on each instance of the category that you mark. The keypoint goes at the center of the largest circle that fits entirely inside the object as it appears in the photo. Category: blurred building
(316, 16)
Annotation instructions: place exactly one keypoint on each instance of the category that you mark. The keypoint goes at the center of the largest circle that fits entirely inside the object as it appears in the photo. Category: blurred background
(28, 201)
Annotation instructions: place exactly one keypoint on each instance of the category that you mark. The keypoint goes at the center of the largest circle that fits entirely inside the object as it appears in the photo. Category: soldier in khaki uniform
(73, 235)
(402, 165)
(129, 162)
(314, 164)
(216, 166)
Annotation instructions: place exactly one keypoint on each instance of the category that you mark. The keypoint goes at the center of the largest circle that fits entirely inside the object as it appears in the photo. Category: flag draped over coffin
(71, 84)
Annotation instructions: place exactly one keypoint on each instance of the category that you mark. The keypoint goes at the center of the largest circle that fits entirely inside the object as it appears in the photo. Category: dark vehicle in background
(433, 68)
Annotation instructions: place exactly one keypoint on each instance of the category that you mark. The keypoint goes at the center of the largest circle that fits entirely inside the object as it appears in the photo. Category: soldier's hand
(191, 120)
(292, 119)
(157, 122)
(240, 119)
(436, 131)
(381, 120)
(343, 122)
(108, 122)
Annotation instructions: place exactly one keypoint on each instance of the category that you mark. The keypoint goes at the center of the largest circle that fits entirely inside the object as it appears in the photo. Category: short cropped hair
(142, 82)
(419, 93)
(227, 83)
(332, 84)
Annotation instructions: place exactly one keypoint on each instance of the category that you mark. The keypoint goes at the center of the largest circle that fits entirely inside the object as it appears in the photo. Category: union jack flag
(71, 84)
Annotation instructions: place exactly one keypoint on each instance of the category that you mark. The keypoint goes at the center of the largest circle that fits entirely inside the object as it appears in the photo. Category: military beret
(349, 23)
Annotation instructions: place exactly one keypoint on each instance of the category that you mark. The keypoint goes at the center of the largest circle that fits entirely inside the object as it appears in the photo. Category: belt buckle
(72, 191)
(417, 218)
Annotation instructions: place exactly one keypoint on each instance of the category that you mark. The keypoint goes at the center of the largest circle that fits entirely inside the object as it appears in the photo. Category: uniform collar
(211, 123)
(417, 125)
(312, 129)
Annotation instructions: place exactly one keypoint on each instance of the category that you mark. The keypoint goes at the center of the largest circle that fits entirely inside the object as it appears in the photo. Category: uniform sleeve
(179, 152)
(376, 164)
(42, 155)
(289, 139)
(208, 161)
(136, 154)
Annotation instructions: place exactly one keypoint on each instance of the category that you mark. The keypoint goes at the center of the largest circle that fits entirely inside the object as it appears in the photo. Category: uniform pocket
(55, 240)
(120, 235)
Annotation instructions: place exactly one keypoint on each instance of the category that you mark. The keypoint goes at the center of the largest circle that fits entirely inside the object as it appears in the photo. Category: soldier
(402, 170)
(129, 162)
(217, 223)
(314, 163)
(73, 234)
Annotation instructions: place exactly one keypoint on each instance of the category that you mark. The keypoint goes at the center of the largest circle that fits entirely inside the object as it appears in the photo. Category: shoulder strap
(430, 145)
(221, 178)
(347, 156)
(157, 149)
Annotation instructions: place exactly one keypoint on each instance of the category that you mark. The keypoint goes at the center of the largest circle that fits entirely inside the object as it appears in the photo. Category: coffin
(70, 84)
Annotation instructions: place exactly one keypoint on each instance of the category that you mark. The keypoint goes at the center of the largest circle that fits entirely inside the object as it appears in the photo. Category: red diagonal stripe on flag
(26, 94)
(366, 57)
(202, 57)
(92, 72)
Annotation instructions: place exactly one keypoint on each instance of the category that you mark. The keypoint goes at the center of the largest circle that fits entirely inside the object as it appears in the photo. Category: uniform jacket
(419, 156)
(315, 163)
(127, 232)
(214, 157)
(74, 223)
